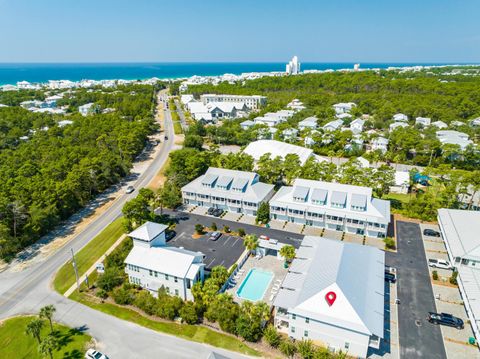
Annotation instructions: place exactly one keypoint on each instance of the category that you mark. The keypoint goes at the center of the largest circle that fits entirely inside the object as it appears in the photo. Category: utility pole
(76, 269)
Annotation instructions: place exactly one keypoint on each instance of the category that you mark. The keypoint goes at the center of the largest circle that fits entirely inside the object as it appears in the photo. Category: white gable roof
(148, 231)
(355, 273)
(276, 148)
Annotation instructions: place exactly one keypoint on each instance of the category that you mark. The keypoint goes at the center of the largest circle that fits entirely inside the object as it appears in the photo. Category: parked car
(169, 234)
(129, 189)
(214, 236)
(93, 354)
(431, 233)
(390, 277)
(210, 210)
(217, 212)
(166, 138)
(439, 263)
(445, 319)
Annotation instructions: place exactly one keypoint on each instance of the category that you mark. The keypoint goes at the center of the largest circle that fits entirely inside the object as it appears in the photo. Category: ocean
(11, 73)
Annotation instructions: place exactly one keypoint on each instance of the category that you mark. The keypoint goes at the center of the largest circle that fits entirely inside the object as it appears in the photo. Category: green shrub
(199, 228)
(188, 313)
(213, 226)
(112, 278)
(389, 243)
(271, 336)
(306, 349)
(241, 232)
(146, 302)
(123, 295)
(102, 294)
(226, 229)
(435, 275)
(288, 348)
(453, 278)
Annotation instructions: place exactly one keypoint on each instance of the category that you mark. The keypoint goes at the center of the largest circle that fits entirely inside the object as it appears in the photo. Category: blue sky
(240, 30)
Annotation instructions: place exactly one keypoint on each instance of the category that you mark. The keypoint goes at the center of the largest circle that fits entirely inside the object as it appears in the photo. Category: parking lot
(448, 300)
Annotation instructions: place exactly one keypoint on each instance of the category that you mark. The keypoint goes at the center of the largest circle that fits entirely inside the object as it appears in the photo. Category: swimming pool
(254, 285)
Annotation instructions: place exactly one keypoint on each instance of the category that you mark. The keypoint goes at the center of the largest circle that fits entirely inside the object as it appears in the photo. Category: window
(166, 276)
(167, 289)
(156, 274)
(150, 272)
(175, 279)
(307, 320)
(176, 292)
(305, 333)
(294, 316)
(347, 345)
(293, 329)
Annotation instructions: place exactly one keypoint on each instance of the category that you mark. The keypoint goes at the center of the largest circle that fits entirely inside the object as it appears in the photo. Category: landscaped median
(194, 333)
(88, 255)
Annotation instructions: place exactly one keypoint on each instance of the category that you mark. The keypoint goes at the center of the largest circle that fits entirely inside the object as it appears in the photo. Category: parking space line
(228, 238)
(233, 245)
(209, 264)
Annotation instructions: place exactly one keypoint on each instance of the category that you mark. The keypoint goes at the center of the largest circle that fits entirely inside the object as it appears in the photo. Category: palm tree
(250, 242)
(47, 346)
(47, 313)
(287, 252)
(34, 328)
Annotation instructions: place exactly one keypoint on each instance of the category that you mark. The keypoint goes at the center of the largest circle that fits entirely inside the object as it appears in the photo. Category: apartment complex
(252, 102)
(334, 206)
(152, 264)
(459, 230)
(230, 190)
(333, 294)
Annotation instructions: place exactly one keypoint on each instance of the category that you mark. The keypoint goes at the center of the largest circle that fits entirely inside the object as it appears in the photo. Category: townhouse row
(319, 204)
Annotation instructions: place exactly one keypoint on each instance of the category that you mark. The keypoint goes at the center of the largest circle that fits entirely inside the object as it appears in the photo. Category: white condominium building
(333, 294)
(330, 205)
(253, 102)
(293, 66)
(230, 190)
(152, 264)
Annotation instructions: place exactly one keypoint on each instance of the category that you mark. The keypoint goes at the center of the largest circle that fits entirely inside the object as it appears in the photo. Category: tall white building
(152, 264)
(230, 190)
(333, 294)
(293, 67)
(331, 205)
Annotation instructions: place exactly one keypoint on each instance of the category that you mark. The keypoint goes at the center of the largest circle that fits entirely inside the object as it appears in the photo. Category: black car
(166, 138)
(390, 277)
(217, 212)
(169, 235)
(445, 319)
(210, 210)
(430, 233)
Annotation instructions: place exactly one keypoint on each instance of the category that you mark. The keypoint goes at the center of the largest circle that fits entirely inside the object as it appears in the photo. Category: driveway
(418, 338)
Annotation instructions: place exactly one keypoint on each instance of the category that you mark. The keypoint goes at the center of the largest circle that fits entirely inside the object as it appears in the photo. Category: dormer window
(300, 194)
(339, 199)
(359, 202)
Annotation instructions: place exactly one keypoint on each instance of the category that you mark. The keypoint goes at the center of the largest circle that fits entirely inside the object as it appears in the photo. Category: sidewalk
(94, 266)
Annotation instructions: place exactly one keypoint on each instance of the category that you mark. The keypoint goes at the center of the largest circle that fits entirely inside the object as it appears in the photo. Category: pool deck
(268, 263)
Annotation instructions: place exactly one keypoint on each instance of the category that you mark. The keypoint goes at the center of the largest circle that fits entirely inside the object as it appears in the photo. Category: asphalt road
(418, 338)
(27, 291)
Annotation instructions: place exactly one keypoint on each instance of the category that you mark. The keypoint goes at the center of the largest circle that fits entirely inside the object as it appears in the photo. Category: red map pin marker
(330, 298)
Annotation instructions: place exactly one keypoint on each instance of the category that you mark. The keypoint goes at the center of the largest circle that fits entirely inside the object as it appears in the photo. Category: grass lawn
(177, 127)
(15, 343)
(401, 197)
(88, 255)
(194, 333)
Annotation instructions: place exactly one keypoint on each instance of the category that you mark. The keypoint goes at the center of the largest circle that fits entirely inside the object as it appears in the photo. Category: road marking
(225, 242)
(233, 245)
(213, 260)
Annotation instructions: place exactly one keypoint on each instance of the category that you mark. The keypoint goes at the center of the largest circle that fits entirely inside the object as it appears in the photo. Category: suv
(129, 189)
(210, 210)
(214, 236)
(390, 277)
(445, 319)
(217, 212)
(430, 233)
(439, 263)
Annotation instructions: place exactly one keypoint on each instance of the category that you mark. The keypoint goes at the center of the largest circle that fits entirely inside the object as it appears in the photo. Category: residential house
(333, 125)
(396, 125)
(333, 294)
(379, 144)
(245, 125)
(343, 107)
(475, 122)
(230, 190)
(277, 149)
(290, 134)
(423, 121)
(452, 137)
(331, 205)
(86, 109)
(459, 230)
(440, 125)
(153, 265)
(356, 126)
(308, 123)
(252, 102)
(400, 117)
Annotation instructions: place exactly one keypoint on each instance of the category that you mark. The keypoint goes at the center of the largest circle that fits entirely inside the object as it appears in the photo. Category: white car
(93, 354)
(439, 263)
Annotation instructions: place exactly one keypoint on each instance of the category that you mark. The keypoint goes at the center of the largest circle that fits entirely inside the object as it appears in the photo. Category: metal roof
(356, 273)
(358, 200)
(300, 192)
(319, 195)
(209, 179)
(224, 181)
(339, 197)
(148, 231)
(240, 183)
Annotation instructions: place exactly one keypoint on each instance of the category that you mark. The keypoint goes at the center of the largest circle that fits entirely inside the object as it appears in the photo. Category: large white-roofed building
(459, 230)
(333, 294)
(278, 149)
(152, 264)
(253, 102)
(230, 190)
(330, 205)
